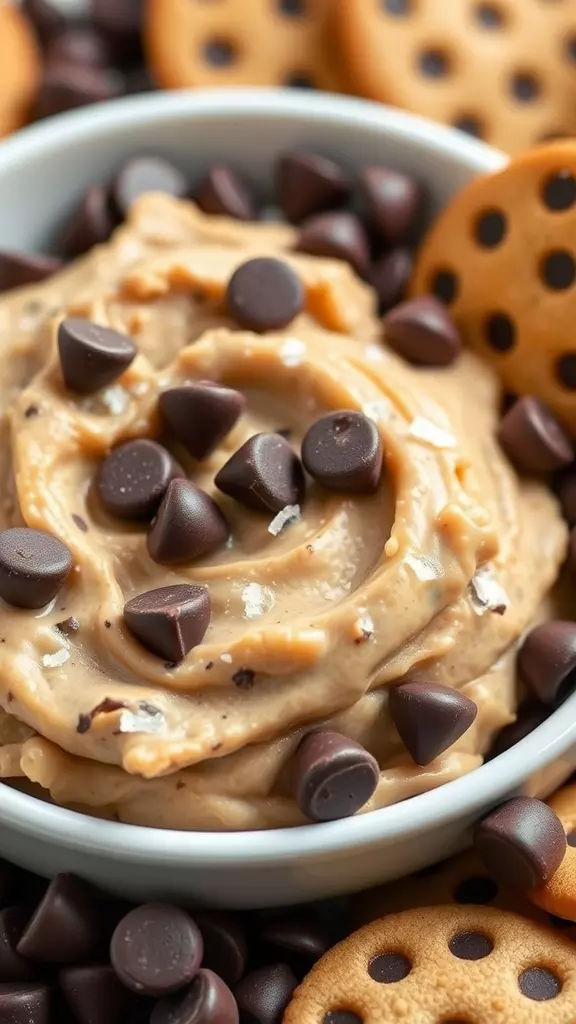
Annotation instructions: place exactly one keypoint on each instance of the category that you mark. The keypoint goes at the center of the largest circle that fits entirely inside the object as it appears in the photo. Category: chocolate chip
(533, 439)
(393, 200)
(390, 276)
(189, 525)
(299, 938)
(170, 621)
(91, 356)
(477, 889)
(559, 190)
(264, 294)
(207, 1001)
(22, 1003)
(265, 474)
(145, 174)
(299, 80)
(471, 125)
(33, 567)
(222, 191)
(539, 983)
(490, 228)
(470, 946)
(79, 522)
(66, 927)
(445, 286)
(430, 718)
(67, 86)
(547, 660)
(18, 269)
(94, 994)
(13, 967)
(244, 678)
(47, 17)
(333, 776)
(337, 235)
(342, 1017)
(343, 451)
(156, 949)
(68, 626)
(105, 707)
(558, 270)
(134, 478)
(434, 63)
(92, 223)
(500, 331)
(220, 53)
(32, 411)
(264, 994)
(423, 332)
(488, 15)
(200, 415)
(225, 947)
(566, 370)
(524, 86)
(388, 968)
(530, 715)
(522, 843)
(307, 184)
(79, 44)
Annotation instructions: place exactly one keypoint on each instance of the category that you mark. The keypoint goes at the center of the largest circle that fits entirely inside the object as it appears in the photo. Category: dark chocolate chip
(477, 889)
(433, 63)
(244, 678)
(170, 621)
(222, 191)
(80, 522)
(66, 927)
(309, 184)
(488, 15)
(91, 356)
(490, 228)
(220, 53)
(470, 945)
(343, 451)
(189, 525)
(105, 707)
(388, 968)
(79, 44)
(48, 18)
(298, 937)
(547, 660)
(445, 286)
(67, 86)
(18, 269)
(430, 718)
(333, 776)
(566, 370)
(390, 276)
(92, 223)
(22, 1003)
(522, 843)
(500, 331)
(566, 490)
(134, 478)
(265, 474)
(264, 994)
(524, 86)
(336, 235)
(533, 439)
(13, 967)
(156, 949)
(265, 294)
(423, 332)
(470, 124)
(539, 983)
(299, 80)
(94, 994)
(559, 190)
(68, 626)
(558, 270)
(399, 8)
(294, 8)
(33, 567)
(225, 947)
(207, 1001)
(200, 415)
(393, 200)
(146, 174)
(530, 715)
(342, 1017)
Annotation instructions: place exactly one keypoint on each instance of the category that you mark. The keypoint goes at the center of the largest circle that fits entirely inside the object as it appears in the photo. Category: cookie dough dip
(263, 560)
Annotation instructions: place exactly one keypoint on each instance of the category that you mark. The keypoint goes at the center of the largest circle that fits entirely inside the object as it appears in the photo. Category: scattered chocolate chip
(470, 946)
(68, 626)
(170, 621)
(107, 624)
(558, 270)
(105, 707)
(145, 174)
(207, 1001)
(83, 724)
(337, 235)
(388, 968)
(566, 489)
(446, 286)
(18, 269)
(539, 983)
(33, 567)
(32, 411)
(559, 191)
(430, 718)
(333, 776)
(342, 1017)
(66, 927)
(189, 525)
(343, 451)
(264, 994)
(390, 276)
(156, 949)
(309, 184)
(47, 17)
(530, 715)
(532, 437)
(92, 223)
(225, 946)
(91, 356)
(522, 843)
(265, 474)
(393, 200)
(301, 939)
(423, 332)
(80, 522)
(547, 660)
(200, 415)
(25, 1003)
(566, 370)
(94, 994)
(244, 678)
(13, 967)
(490, 228)
(265, 294)
(477, 889)
(222, 191)
(79, 44)
(67, 86)
(134, 478)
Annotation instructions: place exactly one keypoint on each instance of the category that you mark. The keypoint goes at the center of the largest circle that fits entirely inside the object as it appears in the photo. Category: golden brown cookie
(19, 68)
(558, 896)
(502, 255)
(443, 965)
(242, 42)
(503, 70)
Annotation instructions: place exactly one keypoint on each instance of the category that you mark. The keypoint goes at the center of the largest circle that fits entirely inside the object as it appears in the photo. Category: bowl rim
(461, 798)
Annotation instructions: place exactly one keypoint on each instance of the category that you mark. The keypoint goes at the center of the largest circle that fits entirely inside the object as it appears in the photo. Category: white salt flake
(146, 718)
(226, 658)
(57, 659)
(289, 514)
(424, 430)
(486, 594)
(116, 399)
(425, 569)
(257, 600)
(292, 351)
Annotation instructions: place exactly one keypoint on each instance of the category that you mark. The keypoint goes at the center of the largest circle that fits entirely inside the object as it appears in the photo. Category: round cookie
(502, 70)
(443, 965)
(256, 42)
(19, 68)
(502, 255)
(558, 896)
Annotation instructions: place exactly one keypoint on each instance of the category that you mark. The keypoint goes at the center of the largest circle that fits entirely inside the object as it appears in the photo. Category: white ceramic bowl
(42, 173)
